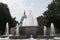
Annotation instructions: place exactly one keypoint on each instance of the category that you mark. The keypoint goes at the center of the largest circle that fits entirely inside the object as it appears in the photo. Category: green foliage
(57, 2)
(5, 17)
(51, 15)
(41, 20)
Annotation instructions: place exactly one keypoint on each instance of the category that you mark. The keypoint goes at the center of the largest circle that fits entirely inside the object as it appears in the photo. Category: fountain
(31, 37)
(7, 29)
(17, 30)
(6, 36)
(44, 30)
(52, 32)
(29, 21)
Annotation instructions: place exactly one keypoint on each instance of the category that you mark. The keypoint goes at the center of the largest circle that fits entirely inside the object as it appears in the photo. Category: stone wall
(28, 30)
(34, 30)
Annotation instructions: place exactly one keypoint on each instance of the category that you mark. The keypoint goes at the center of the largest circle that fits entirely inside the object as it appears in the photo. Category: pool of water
(8, 38)
(29, 39)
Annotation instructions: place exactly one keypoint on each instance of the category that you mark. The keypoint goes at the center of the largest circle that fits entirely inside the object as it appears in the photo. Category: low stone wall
(28, 30)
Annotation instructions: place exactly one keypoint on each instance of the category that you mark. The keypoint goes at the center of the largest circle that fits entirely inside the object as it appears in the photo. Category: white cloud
(17, 7)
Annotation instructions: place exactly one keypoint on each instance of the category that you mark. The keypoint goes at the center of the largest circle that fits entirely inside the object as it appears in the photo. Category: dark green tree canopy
(41, 20)
(52, 15)
(5, 17)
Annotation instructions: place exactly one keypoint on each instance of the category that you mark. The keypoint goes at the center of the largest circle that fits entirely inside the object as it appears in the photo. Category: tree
(52, 14)
(5, 17)
(41, 20)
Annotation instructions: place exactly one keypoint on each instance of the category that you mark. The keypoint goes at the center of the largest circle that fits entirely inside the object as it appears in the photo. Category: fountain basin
(45, 37)
(19, 37)
(28, 30)
(27, 37)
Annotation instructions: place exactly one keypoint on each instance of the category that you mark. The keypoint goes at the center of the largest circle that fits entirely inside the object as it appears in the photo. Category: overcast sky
(17, 7)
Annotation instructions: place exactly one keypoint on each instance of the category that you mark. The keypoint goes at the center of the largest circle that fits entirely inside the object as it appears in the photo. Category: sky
(17, 7)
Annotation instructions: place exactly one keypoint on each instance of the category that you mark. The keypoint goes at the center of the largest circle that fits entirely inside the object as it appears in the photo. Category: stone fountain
(17, 30)
(52, 32)
(29, 25)
(44, 30)
(7, 29)
(29, 21)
